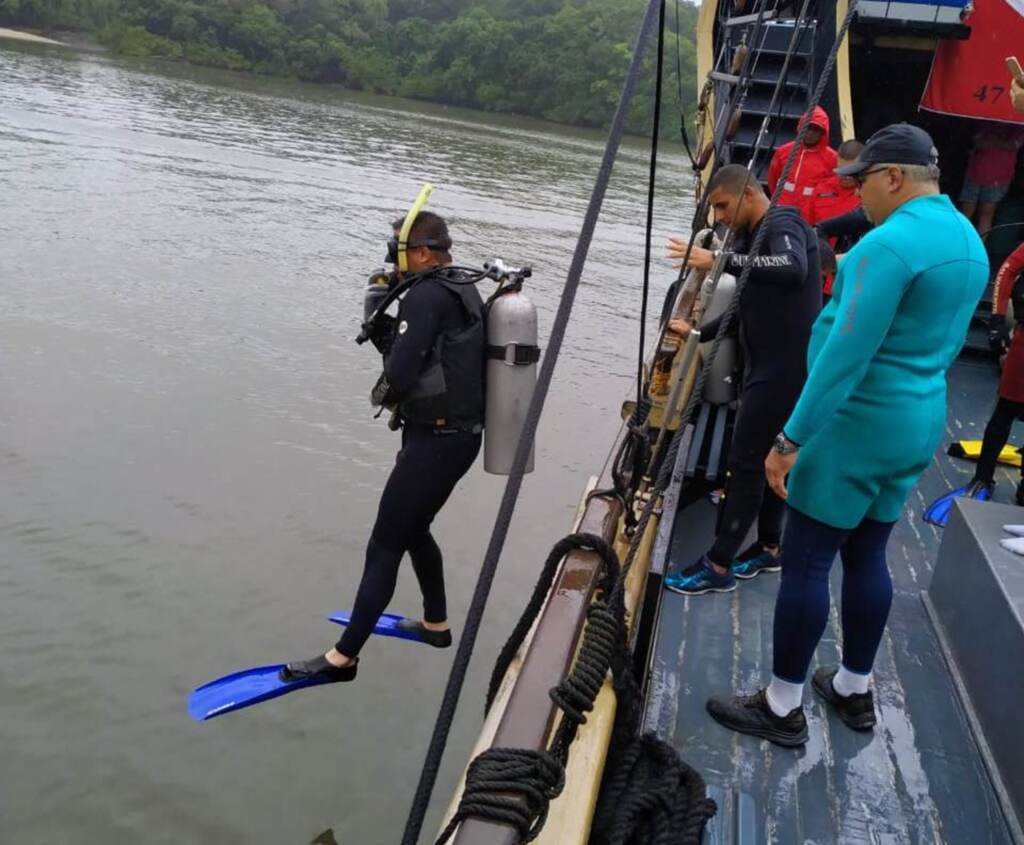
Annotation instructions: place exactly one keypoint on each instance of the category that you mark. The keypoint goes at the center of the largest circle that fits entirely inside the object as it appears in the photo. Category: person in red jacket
(833, 197)
(1009, 287)
(814, 162)
(835, 194)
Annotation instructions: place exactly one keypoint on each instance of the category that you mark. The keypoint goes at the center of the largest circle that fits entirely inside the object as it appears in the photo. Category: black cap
(899, 143)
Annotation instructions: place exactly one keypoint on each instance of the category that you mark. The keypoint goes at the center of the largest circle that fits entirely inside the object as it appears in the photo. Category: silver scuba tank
(512, 355)
(720, 388)
(377, 287)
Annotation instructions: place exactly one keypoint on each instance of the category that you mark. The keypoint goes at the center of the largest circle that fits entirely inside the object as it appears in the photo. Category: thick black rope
(587, 542)
(453, 689)
(514, 786)
(656, 798)
(652, 174)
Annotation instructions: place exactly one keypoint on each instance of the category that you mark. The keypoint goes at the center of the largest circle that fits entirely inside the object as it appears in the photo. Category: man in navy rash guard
(778, 306)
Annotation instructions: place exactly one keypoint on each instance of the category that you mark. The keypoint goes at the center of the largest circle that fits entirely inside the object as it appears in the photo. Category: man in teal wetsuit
(868, 420)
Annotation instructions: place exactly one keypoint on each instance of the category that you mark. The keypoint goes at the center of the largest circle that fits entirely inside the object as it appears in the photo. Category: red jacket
(1011, 385)
(1005, 279)
(832, 198)
(812, 165)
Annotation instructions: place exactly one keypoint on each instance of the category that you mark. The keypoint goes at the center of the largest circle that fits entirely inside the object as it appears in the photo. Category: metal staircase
(768, 45)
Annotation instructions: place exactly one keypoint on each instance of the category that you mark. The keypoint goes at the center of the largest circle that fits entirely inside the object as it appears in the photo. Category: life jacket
(449, 392)
(812, 165)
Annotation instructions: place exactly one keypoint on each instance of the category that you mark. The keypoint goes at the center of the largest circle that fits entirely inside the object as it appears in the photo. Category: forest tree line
(561, 60)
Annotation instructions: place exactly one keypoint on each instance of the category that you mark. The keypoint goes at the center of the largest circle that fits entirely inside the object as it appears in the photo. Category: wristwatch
(783, 445)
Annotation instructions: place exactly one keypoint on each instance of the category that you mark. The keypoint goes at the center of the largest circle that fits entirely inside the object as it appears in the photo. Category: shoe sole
(683, 592)
(762, 569)
(785, 740)
(865, 723)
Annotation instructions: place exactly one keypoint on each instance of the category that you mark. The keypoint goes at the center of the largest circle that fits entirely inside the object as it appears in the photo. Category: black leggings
(997, 433)
(426, 471)
(763, 411)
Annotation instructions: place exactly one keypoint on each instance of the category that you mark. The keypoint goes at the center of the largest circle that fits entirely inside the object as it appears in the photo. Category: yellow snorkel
(403, 234)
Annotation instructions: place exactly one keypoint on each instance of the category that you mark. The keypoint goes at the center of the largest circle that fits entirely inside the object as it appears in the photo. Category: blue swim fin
(937, 513)
(243, 689)
(387, 625)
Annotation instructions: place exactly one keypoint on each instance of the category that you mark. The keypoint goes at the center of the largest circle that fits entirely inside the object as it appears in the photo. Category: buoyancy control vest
(449, 392)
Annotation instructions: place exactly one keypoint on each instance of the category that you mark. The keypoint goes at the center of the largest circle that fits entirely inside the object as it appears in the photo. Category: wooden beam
(529, 714)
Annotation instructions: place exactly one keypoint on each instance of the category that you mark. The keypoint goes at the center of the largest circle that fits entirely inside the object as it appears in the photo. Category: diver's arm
(710, 329)
(852, 224)
(784, 259)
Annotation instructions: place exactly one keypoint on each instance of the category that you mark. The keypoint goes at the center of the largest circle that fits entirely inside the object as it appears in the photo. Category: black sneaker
(1019, 495)
(319, 668)
(750, 714)
(438, 639)
(857, 710)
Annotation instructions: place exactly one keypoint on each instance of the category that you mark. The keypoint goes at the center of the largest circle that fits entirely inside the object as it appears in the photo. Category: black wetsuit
(779, 304)
(430, 463)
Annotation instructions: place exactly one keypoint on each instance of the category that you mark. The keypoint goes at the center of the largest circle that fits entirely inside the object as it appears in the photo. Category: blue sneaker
(751, 567)
(699, 579)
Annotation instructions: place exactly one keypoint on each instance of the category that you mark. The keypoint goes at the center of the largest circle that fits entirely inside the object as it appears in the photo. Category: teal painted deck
(919, 777)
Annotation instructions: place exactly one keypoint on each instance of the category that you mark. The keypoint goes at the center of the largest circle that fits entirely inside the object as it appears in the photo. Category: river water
(188, 461)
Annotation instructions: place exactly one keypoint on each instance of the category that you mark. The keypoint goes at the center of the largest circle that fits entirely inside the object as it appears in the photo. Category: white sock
(847, 683)
(1014, 544)
(784, 697)
(1016, 530)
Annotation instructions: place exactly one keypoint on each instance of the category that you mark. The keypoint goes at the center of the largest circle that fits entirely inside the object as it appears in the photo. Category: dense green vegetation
(563, 60)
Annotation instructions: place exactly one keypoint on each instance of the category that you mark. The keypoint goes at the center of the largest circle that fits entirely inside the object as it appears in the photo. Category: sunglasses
(861, 178)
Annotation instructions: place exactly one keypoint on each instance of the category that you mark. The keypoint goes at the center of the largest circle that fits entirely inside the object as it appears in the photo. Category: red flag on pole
(969, 78)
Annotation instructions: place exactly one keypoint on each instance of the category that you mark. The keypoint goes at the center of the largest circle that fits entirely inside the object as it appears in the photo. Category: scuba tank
(377, 288)
(512, 355)
(720, 388)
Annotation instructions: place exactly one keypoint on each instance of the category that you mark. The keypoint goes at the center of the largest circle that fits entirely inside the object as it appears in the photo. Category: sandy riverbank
(16, 35)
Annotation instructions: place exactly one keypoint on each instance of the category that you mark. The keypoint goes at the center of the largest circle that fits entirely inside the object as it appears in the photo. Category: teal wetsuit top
(873, 408)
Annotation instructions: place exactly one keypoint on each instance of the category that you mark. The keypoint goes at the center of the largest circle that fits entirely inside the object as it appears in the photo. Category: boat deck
(918, 777)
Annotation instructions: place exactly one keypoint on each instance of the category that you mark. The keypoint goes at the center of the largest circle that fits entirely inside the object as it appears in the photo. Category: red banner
(969, 78)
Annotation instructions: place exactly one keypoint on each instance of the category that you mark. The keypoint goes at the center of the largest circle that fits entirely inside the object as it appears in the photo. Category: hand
(777, 467)
(680, 327)
(700, 258)
(379, 394)
(998, 334)
(382, 334)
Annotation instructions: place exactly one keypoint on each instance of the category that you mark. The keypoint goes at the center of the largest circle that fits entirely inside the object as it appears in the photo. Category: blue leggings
(801, 610)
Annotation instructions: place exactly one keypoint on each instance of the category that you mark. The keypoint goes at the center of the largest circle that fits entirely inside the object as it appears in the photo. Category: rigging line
(651, 178)
(679, 86)
(790, 99)
(667, 466)
(474, 616)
